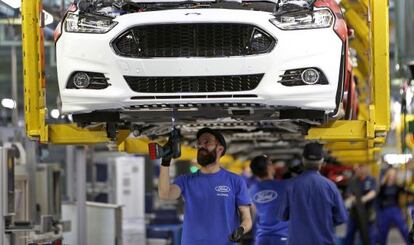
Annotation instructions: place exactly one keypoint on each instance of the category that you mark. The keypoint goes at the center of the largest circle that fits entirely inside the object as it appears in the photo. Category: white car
(247, 60)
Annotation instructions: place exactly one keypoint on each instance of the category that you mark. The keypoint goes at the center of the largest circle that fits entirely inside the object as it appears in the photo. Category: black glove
(166, 159)
(411, 235)
(237, 234)
(166, 162)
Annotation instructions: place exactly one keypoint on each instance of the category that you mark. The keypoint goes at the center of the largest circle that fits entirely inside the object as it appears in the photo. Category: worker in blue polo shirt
(266, 196)
(217, 203)
(361, 194)
(312, 203)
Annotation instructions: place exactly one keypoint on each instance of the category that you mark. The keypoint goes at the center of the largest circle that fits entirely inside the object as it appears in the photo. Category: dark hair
(219, 137)
(259, 166)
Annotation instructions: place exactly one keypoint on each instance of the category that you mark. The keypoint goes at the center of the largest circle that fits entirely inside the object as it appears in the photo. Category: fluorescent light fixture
(395, 159)
(55, 113)
(8, 103)
(12, 3)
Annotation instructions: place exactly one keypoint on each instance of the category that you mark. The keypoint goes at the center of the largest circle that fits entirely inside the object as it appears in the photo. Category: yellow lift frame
(356, 141)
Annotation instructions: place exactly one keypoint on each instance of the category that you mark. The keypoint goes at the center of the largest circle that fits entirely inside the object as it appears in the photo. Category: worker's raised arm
(166, 190)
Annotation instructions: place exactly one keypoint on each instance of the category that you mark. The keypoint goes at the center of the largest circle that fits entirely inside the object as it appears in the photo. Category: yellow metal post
(380, 64)
(34, 87)
(34, 80)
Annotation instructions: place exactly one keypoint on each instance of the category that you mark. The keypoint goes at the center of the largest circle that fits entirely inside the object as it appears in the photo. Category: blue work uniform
(390, 212)
(366, 185)
(313, 206)
(266, 196)
(211, 204)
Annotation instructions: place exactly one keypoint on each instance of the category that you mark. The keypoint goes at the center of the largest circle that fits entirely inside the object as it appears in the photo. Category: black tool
(172, 149)
(237, 234)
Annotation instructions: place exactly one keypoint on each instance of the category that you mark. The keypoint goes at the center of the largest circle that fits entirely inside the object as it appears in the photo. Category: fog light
(81, 80)
(310, 76)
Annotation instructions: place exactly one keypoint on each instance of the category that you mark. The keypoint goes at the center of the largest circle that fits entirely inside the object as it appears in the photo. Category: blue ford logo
(265, 196)
(193, 13)
(222, 188)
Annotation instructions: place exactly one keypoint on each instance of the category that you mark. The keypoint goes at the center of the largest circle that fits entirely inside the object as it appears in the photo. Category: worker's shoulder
(230, 174)
(317, 178)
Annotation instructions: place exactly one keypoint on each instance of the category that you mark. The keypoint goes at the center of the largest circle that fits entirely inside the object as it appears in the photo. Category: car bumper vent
(203, 84)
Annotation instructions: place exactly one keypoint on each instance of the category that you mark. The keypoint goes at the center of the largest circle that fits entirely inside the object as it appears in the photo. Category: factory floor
(394, 237)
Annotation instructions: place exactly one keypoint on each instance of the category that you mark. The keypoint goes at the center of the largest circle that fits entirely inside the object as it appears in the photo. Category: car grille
(193, 40)
(193, 84)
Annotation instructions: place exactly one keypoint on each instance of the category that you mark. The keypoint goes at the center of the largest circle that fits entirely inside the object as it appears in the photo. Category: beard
(205, 157)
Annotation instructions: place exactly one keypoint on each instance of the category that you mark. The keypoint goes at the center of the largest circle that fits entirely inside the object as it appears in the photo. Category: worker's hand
(172, 149)
(237, 234)
(166, 159)
(350, 201)
(166, 162)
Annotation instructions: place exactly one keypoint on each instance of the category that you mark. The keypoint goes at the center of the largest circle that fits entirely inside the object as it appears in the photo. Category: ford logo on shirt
(265, 196)
(222, 188)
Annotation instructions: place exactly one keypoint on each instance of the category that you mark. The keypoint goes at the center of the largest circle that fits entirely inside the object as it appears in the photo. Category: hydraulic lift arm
(370, 21)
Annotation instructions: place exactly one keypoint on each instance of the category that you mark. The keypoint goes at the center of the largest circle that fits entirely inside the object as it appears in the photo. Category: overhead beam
(343, 146)
(339, 131)
(70, 134)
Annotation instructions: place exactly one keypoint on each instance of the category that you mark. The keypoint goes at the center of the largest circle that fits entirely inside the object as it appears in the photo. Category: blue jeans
(388, 216)
(351, 230)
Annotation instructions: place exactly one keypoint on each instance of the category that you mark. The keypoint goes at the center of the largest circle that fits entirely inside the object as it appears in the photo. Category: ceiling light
(55, 113)
(8, 103)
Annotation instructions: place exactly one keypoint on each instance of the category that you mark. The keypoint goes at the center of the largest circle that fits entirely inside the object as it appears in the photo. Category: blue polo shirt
(314, 207)
(267, 197)
(211, 204)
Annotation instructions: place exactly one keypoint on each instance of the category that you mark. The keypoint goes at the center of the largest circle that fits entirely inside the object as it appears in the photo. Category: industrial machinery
(351, 141)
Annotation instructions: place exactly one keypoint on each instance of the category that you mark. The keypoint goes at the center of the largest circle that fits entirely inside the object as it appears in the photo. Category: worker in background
(294, 168)
(266, 196)
(279, 167)
(389, 211)
(360, 194)
(312, 203)
(213, 197)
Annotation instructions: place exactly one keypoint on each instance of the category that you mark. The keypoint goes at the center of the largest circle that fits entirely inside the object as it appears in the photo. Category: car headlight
(304, 20)
(88, 23)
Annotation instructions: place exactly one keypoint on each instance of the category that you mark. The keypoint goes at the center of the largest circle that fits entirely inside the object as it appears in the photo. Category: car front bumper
(320, 48)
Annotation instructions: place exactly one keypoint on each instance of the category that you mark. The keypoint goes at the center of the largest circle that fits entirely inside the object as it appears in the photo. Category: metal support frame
(369, 19)
(70, 173)
(34, 79)
(80, 173)
(3, 237)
